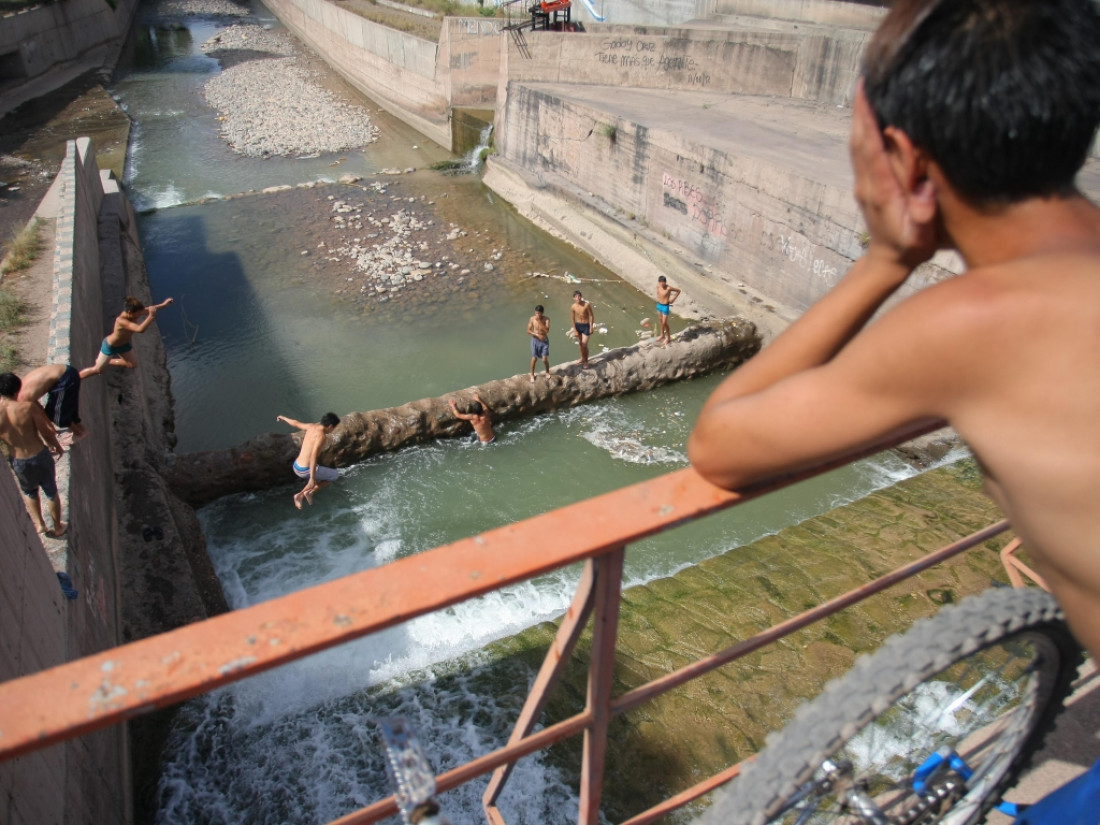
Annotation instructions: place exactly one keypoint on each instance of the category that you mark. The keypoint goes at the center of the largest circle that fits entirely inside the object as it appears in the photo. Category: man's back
(1028, 404)
(18, 429)
(968, 130)
(40, 380)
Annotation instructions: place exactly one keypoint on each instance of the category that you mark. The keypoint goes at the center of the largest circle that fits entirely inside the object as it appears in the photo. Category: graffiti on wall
(689, 200)
(632, 55)
(798, 251)
(476, 26)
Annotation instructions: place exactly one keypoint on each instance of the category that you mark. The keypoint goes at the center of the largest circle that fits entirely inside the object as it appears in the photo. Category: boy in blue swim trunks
(116, 349)
(969, 127)
(305, 465)
(666, 296)
(538, 327)
(30, 439)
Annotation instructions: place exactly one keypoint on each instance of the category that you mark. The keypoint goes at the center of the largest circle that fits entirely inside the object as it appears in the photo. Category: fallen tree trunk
(263, 462)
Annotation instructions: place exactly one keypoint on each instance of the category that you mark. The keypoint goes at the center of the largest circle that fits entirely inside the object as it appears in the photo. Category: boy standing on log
(538, 327)
(969, 126)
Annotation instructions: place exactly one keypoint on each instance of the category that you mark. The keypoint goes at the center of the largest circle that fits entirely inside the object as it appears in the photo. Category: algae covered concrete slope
(673, 742)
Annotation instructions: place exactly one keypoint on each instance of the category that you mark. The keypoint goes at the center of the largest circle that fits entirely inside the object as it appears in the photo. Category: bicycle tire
(985, 636)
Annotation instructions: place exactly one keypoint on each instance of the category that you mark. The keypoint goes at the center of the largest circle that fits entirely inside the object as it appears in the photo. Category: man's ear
(911, 169)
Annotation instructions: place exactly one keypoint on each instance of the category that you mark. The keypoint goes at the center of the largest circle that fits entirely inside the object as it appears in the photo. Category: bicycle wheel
(932, 728)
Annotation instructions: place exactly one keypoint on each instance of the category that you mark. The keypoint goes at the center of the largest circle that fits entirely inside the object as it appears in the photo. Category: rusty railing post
(572, 625)
(605, 627)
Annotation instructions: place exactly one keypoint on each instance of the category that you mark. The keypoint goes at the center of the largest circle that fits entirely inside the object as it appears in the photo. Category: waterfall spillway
(476, 156)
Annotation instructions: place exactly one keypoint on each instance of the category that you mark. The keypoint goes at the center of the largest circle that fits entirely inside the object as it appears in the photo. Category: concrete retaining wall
(47, 39)
(416, 80)
(818, 66)
(85, 780)
(396, 69)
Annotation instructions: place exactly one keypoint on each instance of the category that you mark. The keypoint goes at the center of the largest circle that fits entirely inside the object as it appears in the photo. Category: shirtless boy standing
(30, 439)
(969, 126)
(583, 319)
(60, 383)
(305, 465)
(480, 417)
(666, 297)
(116, 349)
(539, 330)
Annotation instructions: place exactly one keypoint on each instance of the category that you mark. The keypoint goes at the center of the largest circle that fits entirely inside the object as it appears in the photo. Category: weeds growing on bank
(23, 249)
(13, 314)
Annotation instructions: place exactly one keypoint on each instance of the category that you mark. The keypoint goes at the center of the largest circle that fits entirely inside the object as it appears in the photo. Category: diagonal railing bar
(455, 777)
(557, 657)
(705, 665)
(684, 797)
(601, 666)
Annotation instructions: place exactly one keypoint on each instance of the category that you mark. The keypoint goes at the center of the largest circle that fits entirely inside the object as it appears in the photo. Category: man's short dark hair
(330, 419)
(662, 279)
(1003, 94)
(475, 408)
(577, 292)
(132, 305)
(538, 308)
(10, 385)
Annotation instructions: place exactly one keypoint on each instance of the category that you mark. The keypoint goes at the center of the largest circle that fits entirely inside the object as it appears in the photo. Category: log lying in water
(263, 462)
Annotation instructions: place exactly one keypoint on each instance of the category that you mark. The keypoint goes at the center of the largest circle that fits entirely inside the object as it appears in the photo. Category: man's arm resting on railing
(825, 385)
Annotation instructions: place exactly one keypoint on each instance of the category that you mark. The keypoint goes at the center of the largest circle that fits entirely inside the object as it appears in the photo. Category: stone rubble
(202, 8)
(269, 101)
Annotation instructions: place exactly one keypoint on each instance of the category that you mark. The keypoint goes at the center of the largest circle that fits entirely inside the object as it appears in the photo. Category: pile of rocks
(201, 8)
(269, 102)
(386, 252)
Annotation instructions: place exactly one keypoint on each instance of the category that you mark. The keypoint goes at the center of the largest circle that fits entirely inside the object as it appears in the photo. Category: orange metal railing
(66, 701)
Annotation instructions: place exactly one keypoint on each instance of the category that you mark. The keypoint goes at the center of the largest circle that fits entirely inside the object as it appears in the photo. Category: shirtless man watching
(666, 297)
(116, 349)
(479, 417)
(538, 327)
(30, 439)
(583, 320)
(60, 383)
(969, 126)
(305, 465)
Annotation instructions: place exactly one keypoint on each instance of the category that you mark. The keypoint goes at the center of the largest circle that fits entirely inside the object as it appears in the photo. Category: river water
(261, 327)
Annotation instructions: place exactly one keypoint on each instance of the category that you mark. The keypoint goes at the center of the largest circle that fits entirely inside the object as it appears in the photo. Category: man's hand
(897, 198)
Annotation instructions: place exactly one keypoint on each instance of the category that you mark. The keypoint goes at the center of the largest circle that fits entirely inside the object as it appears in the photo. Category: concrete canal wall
(416, 80)
(717, 152)
(46, 45)
(85, 780)
(111, 489)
